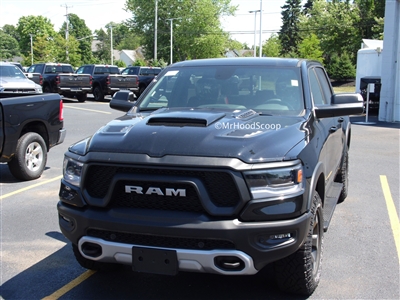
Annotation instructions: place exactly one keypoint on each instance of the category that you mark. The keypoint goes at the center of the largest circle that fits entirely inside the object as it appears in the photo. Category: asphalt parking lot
(362, 245)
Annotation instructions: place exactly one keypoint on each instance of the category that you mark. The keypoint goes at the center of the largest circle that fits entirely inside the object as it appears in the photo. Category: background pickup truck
(222, 166)
(146, 76)
(29, 127)
(61, 78)
(106, 80)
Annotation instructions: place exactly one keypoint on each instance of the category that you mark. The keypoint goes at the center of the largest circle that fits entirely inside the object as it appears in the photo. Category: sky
(98, 13)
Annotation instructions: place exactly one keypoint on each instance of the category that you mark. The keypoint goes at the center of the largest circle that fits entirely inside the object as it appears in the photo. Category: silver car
(14, 81)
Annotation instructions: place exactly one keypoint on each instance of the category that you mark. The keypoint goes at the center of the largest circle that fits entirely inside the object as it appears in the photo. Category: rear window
(106, 70)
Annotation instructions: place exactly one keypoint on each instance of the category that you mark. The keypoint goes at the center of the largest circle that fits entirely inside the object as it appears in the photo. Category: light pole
(155, 31)
(261, 28)
(31, 49)
(172, 36)
(255, 28)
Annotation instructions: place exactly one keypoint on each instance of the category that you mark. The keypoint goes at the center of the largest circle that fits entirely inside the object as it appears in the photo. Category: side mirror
(123, 101)
(342, 104)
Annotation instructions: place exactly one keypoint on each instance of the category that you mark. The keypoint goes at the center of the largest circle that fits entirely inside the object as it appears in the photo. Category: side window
(316, 91)
(325, 84)
(39, 68)
(31, 69)
(80, 70)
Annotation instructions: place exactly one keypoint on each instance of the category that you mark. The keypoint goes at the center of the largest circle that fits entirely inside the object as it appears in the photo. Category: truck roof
(245, 61)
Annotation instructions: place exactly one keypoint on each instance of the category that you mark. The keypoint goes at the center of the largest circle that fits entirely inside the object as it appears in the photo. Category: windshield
(269, 90)
(11, 71)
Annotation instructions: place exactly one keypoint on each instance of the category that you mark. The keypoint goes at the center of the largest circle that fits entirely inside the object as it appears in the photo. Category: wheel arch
(317, 183)
(39, 128)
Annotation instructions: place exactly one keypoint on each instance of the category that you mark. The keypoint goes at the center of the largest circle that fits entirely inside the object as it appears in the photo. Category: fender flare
(318, 171)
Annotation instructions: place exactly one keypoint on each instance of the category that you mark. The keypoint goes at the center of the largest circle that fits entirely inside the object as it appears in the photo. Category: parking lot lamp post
(255, 28)
(31, 49)
(172, 36)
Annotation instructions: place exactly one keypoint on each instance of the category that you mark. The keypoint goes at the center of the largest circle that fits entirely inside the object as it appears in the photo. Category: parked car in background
(14, 81)
(61, 78)
(146, 76)
(107, 80)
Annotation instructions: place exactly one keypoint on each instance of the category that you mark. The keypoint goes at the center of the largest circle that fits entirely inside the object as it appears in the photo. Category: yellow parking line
(393, 216)
(69, 286)
(94, 110)
(29, 187)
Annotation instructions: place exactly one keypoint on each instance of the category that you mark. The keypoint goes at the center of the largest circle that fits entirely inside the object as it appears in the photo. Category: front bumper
(122, 229)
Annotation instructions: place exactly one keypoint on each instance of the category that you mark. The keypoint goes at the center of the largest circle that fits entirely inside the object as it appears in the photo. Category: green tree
(8, 46)
(197, 31)
(126, 38)
(37, 26)
(289, 33)
(310, 48)
(103, 52)
(369, 13)
(341, 67)
(272, 46)
(334, 25)
(83, 35)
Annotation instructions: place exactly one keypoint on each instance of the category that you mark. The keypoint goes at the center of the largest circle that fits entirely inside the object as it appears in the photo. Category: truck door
(331, 127)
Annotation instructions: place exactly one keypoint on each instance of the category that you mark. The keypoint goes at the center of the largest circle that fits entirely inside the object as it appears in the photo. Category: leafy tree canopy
(197, 31)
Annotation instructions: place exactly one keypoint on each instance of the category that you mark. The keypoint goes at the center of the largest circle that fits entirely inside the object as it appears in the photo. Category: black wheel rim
(316, 244)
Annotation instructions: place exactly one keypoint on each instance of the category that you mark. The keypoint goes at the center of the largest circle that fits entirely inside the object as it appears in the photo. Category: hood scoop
(183, 119)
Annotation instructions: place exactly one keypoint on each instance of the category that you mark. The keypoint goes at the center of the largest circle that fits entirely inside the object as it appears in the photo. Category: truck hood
(18, 83)
(242, 134)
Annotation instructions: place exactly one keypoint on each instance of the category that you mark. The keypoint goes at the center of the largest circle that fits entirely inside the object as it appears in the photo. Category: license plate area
(156, 261)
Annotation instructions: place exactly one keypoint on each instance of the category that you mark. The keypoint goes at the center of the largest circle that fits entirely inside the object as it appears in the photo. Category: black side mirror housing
(342, 104)
(123, 101)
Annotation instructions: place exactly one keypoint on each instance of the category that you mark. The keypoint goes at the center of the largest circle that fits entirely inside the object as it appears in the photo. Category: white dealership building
(389, 107)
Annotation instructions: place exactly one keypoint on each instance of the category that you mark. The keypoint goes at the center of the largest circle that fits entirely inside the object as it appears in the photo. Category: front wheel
(30, 157)
(300, 272)
(343, 176)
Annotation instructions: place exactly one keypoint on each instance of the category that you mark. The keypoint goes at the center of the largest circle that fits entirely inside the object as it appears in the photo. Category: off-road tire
(30, 157)
(343, 176)
(92, 264)
(81, 97)
(300, 272)
(98, 94)
(46, 89)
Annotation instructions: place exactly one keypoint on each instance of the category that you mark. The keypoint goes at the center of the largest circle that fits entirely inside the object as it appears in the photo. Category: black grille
(220, 187)
(161, 241)
(154, 201)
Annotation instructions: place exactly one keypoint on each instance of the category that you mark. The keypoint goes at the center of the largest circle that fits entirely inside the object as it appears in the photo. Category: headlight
(72, 170)
(275, 182)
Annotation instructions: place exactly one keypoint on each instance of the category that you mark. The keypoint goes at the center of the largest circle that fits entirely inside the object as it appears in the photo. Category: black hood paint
(246, 135)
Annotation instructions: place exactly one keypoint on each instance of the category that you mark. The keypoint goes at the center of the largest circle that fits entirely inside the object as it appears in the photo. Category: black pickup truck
(61, 78)
(145, 74)
(222, 166)
(107, 80)
(29, 127)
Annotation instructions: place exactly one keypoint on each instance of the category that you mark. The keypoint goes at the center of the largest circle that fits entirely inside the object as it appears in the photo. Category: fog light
(280, 236)
(275, 240)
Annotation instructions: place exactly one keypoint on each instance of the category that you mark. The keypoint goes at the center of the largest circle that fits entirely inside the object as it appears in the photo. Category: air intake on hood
(168, 121)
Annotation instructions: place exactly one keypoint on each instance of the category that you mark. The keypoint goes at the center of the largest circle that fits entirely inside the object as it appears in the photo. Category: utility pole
(261, 13)
(31, 48)
(171, 54)
(255, 29)
(155, 31)
(66, 29)
(111, 43)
